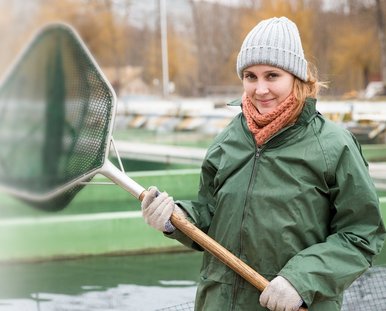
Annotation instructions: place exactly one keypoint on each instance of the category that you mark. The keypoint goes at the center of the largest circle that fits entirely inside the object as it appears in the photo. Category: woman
(282, 188)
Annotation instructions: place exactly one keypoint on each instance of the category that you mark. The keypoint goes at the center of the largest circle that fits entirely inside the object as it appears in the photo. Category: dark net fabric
(55, 113)
(188, 306)
(368, 292)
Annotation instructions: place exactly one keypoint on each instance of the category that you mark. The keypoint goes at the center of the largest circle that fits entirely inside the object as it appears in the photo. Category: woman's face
(267, 86)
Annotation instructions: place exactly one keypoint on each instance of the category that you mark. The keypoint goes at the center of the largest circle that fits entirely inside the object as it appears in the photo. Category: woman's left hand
(280, 295)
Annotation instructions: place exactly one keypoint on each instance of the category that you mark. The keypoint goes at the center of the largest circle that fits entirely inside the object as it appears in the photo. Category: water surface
(143, 283)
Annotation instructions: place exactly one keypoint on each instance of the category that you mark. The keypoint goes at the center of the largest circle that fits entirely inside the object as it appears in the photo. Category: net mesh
(181, 307)
(367, 293)
(55, 111)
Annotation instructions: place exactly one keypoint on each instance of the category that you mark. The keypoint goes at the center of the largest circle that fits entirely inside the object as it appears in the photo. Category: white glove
(280, 295)
(157, 208)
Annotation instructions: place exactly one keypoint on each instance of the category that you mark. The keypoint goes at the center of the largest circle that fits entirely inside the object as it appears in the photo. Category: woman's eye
(272, 76)
(249, 76)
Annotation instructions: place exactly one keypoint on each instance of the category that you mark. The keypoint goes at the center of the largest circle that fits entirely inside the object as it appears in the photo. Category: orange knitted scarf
(263, 126)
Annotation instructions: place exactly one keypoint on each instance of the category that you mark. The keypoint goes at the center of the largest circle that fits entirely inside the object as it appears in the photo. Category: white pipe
(121, 179)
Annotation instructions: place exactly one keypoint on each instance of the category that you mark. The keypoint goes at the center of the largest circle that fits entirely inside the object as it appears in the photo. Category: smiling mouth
(264, 101)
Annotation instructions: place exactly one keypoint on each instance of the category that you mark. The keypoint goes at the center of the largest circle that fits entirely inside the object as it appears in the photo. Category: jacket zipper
(238, 279)
(258, 150)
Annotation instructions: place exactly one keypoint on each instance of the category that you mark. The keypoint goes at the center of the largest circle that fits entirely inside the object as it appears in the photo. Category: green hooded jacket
(302, 206)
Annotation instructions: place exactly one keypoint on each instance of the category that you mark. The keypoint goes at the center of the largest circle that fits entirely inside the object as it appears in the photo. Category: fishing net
(188, 306)
(368, 292)
(55, 113)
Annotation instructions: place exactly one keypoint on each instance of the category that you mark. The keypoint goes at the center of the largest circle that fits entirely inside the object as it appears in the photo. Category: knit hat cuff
(273, 56)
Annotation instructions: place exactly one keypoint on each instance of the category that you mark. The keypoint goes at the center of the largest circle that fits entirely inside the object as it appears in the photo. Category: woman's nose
(261, 89)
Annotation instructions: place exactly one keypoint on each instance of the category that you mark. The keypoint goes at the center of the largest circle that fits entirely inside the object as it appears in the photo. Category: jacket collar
(309, 111)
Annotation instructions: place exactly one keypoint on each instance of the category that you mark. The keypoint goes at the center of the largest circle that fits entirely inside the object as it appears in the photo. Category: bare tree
(217, 32)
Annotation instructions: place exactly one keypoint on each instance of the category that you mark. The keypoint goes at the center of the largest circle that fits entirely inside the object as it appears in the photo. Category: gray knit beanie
(275, 42)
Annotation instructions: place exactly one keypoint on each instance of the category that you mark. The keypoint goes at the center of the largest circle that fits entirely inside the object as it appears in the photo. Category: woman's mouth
(264, 101)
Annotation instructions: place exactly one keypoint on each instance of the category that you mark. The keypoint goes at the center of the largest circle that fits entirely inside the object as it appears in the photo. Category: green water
(110, 283)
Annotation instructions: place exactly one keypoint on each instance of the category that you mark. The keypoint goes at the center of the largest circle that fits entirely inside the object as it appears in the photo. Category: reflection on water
(148, 282)
(122, 297)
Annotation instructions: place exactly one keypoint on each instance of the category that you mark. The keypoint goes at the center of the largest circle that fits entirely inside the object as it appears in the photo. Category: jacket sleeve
(322, 271)
(200, 211)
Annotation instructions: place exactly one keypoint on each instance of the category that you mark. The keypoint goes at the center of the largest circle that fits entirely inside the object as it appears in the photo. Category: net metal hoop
(58, 190)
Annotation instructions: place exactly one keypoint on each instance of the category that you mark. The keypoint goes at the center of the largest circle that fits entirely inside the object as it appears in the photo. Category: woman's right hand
(157, 209)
